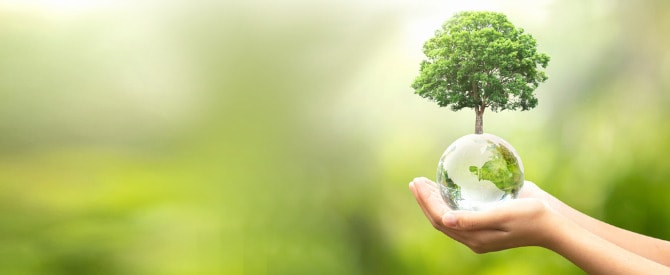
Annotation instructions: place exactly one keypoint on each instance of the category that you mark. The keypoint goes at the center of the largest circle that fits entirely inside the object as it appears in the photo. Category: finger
(428, 196)
(427, 181)
(417, 195)
(476, 220)
(481, 241)
(529, 188)
(497, 217)
(431, 192)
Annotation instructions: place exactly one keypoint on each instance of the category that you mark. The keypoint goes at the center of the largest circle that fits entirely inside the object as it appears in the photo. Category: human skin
(539, 219)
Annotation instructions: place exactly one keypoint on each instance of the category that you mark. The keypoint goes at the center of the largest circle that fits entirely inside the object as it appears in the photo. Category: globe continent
(477, 171)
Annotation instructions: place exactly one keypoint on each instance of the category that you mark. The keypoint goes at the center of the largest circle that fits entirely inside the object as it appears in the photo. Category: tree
(479, 60)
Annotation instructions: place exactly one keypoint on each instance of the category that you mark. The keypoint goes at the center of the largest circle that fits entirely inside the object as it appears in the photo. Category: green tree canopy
(479, 60)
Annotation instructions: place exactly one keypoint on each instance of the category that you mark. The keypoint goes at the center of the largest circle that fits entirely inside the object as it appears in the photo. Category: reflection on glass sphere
(477, 171)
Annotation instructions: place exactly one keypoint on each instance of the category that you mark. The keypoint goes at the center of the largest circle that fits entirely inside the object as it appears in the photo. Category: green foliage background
(175, 137)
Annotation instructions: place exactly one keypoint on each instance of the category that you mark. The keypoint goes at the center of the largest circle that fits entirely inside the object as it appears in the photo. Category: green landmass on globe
(477, 170)
(454, 189)
(501, 169)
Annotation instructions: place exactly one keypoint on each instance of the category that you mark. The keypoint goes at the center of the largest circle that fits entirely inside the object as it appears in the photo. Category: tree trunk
(479, 110)
(479, 121)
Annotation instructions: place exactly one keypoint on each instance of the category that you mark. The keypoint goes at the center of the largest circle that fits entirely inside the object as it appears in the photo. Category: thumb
(473, 220)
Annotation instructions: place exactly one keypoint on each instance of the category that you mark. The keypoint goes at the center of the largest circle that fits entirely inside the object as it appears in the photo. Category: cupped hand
(527, 221)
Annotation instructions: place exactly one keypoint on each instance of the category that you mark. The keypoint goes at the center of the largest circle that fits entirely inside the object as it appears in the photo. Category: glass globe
(479, 170)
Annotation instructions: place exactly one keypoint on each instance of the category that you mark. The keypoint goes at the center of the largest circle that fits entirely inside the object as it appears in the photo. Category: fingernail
(449, 220)
(411, 185)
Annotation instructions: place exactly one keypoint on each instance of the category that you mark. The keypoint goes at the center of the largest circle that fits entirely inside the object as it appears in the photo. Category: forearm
(596, 255)
(654, 249)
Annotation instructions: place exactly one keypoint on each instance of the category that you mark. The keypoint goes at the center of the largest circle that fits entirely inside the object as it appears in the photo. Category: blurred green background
(278, 137)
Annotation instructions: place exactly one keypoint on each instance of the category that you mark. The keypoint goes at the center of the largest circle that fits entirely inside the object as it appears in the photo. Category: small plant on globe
(480, 60)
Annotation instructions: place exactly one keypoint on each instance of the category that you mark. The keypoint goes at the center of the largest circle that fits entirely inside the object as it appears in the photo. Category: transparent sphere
(477, 171)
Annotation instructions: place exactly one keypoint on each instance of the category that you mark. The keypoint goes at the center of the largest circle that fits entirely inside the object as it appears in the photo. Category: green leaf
(478, 60)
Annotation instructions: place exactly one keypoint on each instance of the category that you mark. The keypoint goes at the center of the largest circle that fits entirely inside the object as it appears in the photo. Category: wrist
(557, 230)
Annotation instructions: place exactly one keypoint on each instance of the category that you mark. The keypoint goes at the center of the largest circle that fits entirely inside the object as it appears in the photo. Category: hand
(534, 220)
(527, 221)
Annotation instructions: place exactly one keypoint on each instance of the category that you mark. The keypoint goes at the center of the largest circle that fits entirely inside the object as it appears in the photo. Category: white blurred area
(106, 68)
(94, 70)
